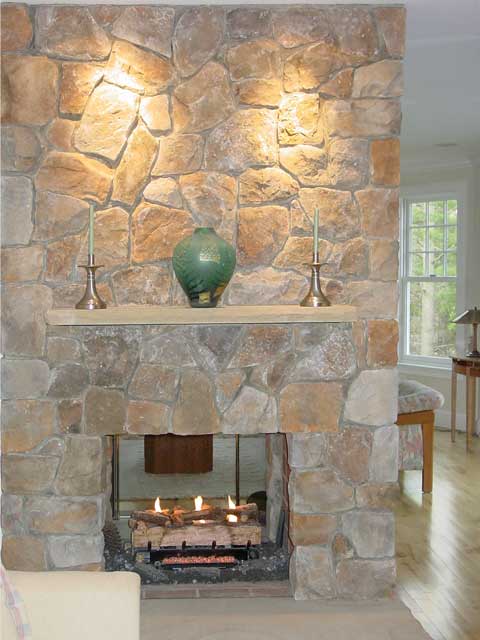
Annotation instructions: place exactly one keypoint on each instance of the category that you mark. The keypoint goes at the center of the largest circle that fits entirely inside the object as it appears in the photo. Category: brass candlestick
(91, 300)
(315, 297)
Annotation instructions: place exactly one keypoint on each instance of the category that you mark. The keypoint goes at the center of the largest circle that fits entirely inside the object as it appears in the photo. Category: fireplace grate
(213, 556)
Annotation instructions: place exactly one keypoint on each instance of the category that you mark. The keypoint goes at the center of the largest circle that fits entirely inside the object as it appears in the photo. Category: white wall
(469, 176)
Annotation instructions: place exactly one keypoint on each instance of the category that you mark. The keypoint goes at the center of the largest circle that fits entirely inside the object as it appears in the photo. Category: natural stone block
(307, 449)
(24, 553)
(61, 350)
(372, 398)
(68, 380)
(23, 319)
(365, 579)
(355, 32)
(307, 163)
(131, 174)
(262, 232)
(372, 533)
(163, 191)
(70, 551)
(267, 286)
(105, 411)
(147, 417)
(310, 67)
(301, 25)
(74, 175)
(382, 79)
(385, 162)
(106, 121)
(172, 348)
(272, 375)
(338, 219)
(198, 36)
(179, 153)
(70, 32)
(111, 238)
(227, 385)
(264, 185)
(319, 491)
(27, 474)
(377, 496)
(373, 299)
(214, 345)
(12, 514)
(384, 459)
(311, 574)
(60, 258)
(255, 59)
(80, 472)
(349, 453)
(383, 258)
(22, 263)
(195, 411)
(149, 27)
(333, 358)
(368, 117)
(347, 163)
(47, 515)
(16, 28)
(261, 344)
(203, 101)
(252, 411)
(69, 416)
(68, 294)
(154, 382)
(248, 137)
(342, 548)
(25, 423)
(212, 199)
(57, 215)
(379, 212)
(29, 89)
(149, 284)
(77, 83)
(24, 379)
(299, 119)
(308, 529)
(297, 252)
(155, 113)
(248, 23)
(133, 68)
(20, 148)
(156, 230)
(261, 93)
(382, 342)
(391, 27)
(17, 195)
(301, 409)
(340, 86)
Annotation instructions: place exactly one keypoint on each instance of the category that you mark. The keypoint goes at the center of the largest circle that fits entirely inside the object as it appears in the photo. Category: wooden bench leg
(427, 473)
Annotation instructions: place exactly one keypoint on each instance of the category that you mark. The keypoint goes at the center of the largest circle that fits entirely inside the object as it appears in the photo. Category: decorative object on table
(91, 300)
(472, 316)
(204, 264)
(315, 297)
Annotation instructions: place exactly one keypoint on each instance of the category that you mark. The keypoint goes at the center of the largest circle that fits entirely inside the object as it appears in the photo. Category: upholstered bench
(416, 412)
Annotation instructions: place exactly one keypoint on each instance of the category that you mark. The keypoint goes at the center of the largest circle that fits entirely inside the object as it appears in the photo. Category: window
(429, 279)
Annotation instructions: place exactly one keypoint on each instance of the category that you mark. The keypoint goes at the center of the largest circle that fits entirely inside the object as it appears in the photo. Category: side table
(470, 368)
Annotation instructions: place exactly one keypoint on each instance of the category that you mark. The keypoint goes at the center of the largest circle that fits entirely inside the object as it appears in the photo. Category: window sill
(442, 370)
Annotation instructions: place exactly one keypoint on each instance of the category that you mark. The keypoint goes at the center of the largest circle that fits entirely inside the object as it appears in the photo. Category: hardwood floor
(438, 542)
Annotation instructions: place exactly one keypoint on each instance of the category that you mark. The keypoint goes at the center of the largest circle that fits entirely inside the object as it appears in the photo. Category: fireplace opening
(199, 509)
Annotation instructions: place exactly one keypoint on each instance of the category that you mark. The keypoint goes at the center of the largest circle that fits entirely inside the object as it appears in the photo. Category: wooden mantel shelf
(150, 314)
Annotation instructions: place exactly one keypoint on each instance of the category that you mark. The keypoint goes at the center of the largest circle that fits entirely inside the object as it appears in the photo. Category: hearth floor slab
(277, 589)
(277, 619)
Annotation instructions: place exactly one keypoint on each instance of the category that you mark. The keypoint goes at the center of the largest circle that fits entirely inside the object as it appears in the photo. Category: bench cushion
(414, 396)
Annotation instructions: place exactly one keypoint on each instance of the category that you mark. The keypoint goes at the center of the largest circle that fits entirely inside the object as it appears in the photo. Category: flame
(158, 508)
(231, 518)
(198, 503)
(231, 503)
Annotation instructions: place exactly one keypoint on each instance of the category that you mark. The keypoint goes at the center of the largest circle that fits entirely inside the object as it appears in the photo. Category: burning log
(244, 512)
(152, 517)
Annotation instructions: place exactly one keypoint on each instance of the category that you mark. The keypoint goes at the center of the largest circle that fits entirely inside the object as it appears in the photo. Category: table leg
(427, 473)
(453, 419)
(470, 407)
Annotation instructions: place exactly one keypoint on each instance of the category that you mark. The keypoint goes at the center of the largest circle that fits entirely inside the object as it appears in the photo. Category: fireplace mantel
(170, 315)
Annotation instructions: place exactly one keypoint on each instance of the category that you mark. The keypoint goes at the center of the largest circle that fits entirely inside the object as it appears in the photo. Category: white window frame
(444, 191)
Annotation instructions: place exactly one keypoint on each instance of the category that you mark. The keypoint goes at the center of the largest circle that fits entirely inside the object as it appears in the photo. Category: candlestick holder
(315, 297)
(91, 300)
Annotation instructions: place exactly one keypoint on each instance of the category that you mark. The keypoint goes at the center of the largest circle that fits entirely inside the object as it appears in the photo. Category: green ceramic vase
(204, 264)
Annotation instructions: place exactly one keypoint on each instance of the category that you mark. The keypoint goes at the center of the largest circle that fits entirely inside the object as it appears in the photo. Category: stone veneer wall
(167, 119)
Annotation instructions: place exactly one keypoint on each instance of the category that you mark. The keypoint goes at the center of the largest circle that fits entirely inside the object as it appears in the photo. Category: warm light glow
(202, 521)
(231, 503)
(231, 518)
(198, 503)
(158, 508)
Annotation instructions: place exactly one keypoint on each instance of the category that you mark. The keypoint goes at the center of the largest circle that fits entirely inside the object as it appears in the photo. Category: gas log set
(206, 536)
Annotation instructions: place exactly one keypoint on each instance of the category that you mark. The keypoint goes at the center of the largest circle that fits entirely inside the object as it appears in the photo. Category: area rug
(277, 619)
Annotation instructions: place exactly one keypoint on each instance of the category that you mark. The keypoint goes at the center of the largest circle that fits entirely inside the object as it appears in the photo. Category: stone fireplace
(168, 118)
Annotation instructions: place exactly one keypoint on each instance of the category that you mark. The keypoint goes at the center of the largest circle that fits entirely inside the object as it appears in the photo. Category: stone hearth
(115, 105)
